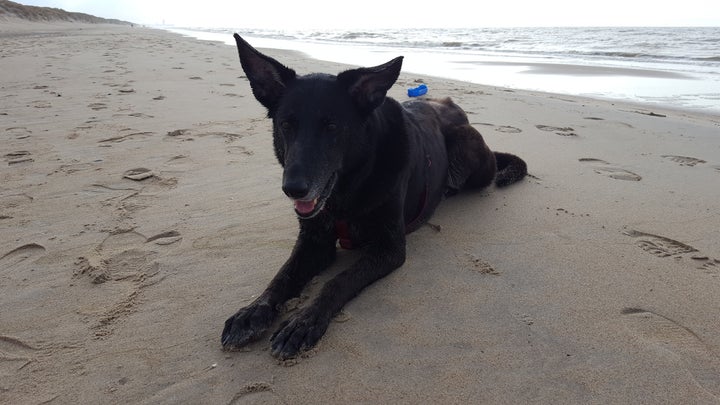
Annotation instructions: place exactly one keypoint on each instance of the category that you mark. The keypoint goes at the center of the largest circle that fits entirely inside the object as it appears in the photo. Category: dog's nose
(295, 188)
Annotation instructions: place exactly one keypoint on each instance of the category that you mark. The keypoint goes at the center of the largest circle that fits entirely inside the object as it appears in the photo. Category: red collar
(342, 232)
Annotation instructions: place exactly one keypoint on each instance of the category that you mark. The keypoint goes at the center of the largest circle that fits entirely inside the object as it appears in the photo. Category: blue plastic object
(417, 91)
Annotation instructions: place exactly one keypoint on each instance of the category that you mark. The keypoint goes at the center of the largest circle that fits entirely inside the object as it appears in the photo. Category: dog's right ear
(268, 77)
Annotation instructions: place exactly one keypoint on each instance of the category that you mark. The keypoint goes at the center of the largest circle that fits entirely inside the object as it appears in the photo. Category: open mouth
(307, 209)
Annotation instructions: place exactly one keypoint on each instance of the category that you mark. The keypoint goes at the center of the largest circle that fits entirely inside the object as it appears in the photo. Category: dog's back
(471, 163)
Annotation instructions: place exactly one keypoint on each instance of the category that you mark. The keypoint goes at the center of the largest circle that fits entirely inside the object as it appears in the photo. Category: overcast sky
(278, 14)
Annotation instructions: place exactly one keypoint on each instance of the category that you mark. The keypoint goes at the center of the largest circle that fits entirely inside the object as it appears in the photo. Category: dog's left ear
(368, 86)
(268, 77)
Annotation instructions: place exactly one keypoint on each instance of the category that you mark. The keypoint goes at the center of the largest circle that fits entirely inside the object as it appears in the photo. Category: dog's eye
(330, 127)
(285, 126)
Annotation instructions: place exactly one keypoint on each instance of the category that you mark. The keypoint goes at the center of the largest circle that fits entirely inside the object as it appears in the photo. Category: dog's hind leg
(313, 252)
(471, 163)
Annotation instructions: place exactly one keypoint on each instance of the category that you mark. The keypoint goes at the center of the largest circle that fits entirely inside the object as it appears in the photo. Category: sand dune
(10, 10)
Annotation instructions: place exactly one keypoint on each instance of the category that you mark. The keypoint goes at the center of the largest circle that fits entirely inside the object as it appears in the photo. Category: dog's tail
(510, 169)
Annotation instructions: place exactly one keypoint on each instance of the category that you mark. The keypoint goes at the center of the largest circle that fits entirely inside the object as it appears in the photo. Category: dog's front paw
(299, 333)
(247, 325)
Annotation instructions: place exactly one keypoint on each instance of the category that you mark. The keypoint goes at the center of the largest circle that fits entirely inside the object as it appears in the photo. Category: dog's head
(316, 119)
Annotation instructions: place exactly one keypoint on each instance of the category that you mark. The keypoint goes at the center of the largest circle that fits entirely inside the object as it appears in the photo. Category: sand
(140, 206)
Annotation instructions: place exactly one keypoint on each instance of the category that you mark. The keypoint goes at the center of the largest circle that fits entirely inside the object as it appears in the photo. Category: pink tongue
(304, 207)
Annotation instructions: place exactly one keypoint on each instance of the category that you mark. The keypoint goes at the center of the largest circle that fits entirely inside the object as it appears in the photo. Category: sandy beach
(140, 206)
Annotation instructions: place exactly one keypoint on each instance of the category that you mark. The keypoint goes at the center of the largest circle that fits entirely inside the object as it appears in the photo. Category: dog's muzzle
(307, 208)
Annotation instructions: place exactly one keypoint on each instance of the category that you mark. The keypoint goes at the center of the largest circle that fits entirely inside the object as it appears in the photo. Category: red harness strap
(342, 231)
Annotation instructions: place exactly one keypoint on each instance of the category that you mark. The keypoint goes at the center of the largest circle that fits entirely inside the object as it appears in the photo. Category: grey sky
(278, 14)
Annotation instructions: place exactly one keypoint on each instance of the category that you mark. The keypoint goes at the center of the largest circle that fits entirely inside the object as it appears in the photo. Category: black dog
(362, 169)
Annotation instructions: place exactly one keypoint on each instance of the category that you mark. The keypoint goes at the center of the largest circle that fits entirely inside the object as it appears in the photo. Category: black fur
(361, 168)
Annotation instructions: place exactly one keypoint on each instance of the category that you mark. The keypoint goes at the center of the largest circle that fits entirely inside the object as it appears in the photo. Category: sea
(669, 67)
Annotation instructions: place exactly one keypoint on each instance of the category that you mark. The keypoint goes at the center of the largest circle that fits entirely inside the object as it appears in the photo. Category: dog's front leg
(304, 330)
(313, 252)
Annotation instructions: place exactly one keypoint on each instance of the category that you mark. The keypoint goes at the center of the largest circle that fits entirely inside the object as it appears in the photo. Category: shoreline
(618, 81)
(140, 205)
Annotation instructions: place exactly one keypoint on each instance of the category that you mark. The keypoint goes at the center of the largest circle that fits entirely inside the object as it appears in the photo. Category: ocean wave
(361, 35)
(673, 45)
(619, 54)
(684, 63)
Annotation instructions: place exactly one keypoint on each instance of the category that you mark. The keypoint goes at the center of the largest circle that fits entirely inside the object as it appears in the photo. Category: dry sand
(596, 280)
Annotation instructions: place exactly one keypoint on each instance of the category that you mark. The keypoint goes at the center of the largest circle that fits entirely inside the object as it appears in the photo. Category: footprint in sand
(165, 238)
(650, 113)
(124, 268)
(661, 332)
(41, 104)
(239, 150)
(138, 174)
(19, 156)
(257, 392)
(562, 131)
(14, 355)
(140, 115)
(502, 128)
(527, 319)
(103, 263)
(121, 138)
(21, 254)
(97, 106)
(229, 136)
(508, 129)
(18, 132)
(480, 266)
(178, 132)
(179, 163)
(708, 265)
(659, 246)
(153, 188)
(71, 168)
(684, 160)
(13, 201)
(128, 197)
(606, 169)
